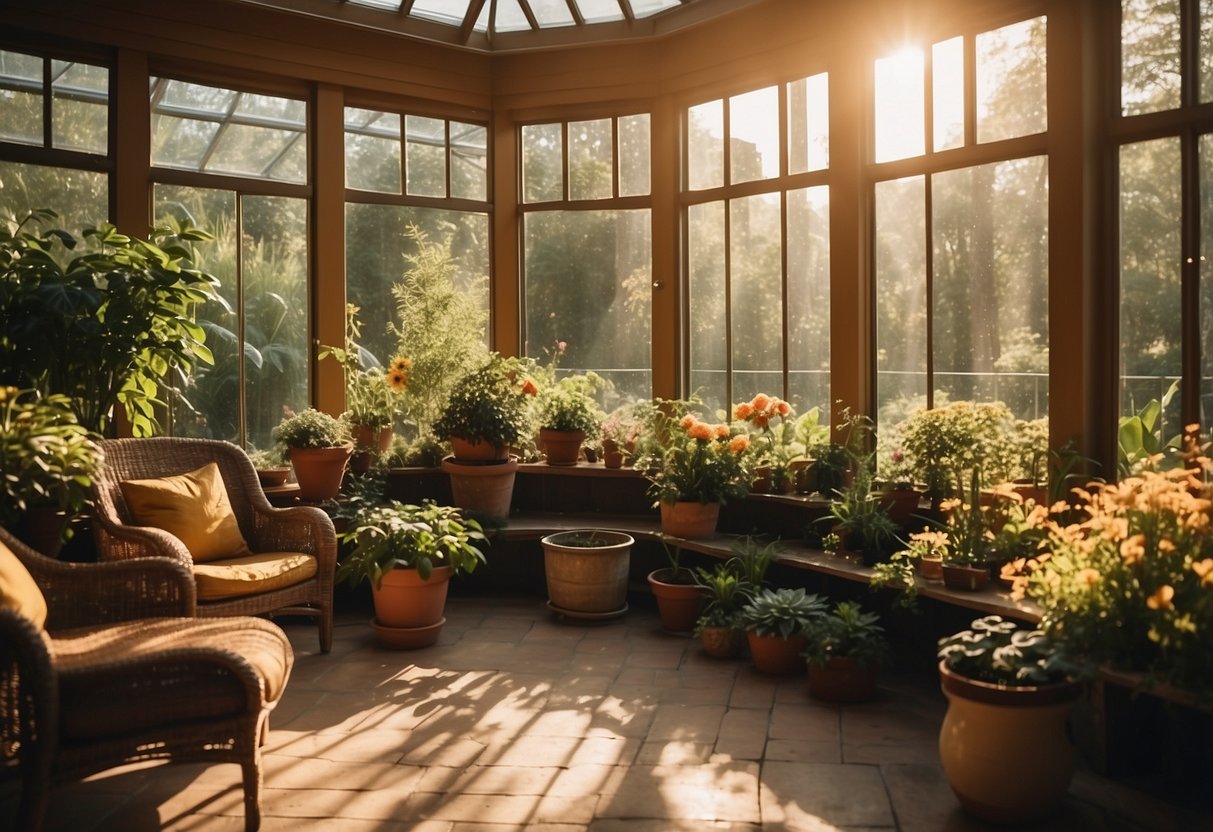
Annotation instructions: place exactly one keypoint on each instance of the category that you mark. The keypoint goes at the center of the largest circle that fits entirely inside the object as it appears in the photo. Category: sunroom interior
(860, 208)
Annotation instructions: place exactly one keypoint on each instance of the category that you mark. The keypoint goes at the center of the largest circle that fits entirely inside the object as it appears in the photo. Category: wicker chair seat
(133, 676)
(251, 574)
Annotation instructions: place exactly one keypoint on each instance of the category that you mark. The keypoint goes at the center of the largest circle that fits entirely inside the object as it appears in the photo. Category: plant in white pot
(408, 554)
(319, 446)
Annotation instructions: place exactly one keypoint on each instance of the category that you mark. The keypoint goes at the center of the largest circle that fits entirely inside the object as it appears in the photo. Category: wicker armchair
(298, 529)
(120, 674)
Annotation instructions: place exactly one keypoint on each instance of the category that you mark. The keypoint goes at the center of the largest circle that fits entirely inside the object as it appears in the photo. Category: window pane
(1206, 279)
(705, 145)
(591, 174)
(469, 161)
(21, 87)
(1150, 301)
(899, 106)
(901, 298)
(1011, 81)
(425, 156)
(706, 296)
(991, 288)
(542, 163)
(588, 279)
(809, 123)
(80, 111)
(947, 93)
(372, 150)
(1206, 50)
(1149, 56)
(634, 155)
(80, 198)
(754, 135)
(756, 295)
(809, 299)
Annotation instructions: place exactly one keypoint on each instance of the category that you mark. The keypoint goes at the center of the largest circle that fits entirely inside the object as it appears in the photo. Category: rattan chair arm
(28, 695)
(304, 529)
(85, 594)
(116, 541)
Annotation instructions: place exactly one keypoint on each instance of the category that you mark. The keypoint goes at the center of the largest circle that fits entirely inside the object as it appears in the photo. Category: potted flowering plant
(770, 421)
(944, 444)
(619, 432)
(693, 467)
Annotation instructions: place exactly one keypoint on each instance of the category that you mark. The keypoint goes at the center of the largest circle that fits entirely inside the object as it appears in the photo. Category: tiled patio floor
(518, 721)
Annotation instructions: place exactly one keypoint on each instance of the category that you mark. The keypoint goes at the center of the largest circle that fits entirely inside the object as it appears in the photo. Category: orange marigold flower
(701, 431)
(397, 379)
(1133, 549)
(782, 407)
(743, 411)
(739, 444)
(529, 387)
(402, 363)
(760, 402)
(1161, 600)
(722, 431)
(1204, 570)
(1087, 577)
(686, 421)
(761, 419)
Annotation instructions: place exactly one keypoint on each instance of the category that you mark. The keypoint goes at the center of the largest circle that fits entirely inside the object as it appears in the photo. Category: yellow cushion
(248, 575)
(193, 508)
(18, 591)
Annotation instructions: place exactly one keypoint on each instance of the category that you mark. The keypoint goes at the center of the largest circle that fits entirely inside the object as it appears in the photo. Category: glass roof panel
(482, 22)
(450, 12)
(551, 13)
(599, 11)
(510, 17)
(645, 8)
(394, 5)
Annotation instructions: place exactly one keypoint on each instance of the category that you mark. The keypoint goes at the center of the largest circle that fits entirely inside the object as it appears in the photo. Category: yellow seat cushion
(18, 591)
(193, 507)
(251, 574)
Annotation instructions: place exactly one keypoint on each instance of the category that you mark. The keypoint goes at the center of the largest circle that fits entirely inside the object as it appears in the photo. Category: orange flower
(1204, 570)
(1133, 549)
(529, 387)
(760, 402)
(686, 421)
(402, 363)
(1161, 600)
(722, 431)
(739, 444)
(742, 411)
(701, 431)
(1087, 577)
(782, 408)
(397, 379)
(761, 419)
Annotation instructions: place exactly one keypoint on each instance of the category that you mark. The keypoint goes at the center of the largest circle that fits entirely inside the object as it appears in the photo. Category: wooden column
(328, 253)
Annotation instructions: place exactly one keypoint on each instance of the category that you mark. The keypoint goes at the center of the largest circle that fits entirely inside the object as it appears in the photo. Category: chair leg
(326, 628)
(252, 793)
(35, 791)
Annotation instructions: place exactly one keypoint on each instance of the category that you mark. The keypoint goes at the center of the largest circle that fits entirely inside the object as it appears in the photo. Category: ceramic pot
(842, 679)
(485, 488)
(561, 447)
(1005, 750)
(720, 642)
(612, 455)
(776, 655)
(404, 601)
(970, 578)
(319, 471)
(587, 578)
(369, 442)
(689, 519)
(678, 604)
(473, 450)
(272, 477)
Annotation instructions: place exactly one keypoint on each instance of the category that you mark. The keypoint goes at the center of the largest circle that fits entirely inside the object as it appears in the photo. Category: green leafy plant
(490, 404)
(263, 458)
(46, 457)
(781, 612)
(105, 327)
(372, 393)
(397, 535)
(846, 631)
(997, 651)
(944, 444)
(1139, 438)
(311, 428)
(569, 404)
(687, 459)
(725, 592)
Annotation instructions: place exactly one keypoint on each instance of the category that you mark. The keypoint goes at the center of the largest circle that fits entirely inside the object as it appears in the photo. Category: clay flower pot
(408, 610)
(689, 519)
(587, 571)
(679, 604)
(561, 447)
(776, 655)
(319, 471)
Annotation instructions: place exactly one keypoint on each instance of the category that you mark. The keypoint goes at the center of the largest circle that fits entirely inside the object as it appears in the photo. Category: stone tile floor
(517, 721)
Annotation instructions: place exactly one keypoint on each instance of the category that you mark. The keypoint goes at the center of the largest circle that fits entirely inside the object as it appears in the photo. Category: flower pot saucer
(589, 617)
(406, 638)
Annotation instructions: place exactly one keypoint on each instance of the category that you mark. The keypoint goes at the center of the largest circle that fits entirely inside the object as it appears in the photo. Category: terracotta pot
(561, 447)
(1004, 749)
(469, 450)
(776, 655)
(407, 638)
(587, 578)
(803, 476)
(842, 679)
(720, 642)
(971, 578)
(931, 568)
(689, 519)
(762, 480)
(612, 454)
(486, 488)
(900, 504)
(319, 471)
(271, 477)
(404, 600)
(678, 604)
(369, 442)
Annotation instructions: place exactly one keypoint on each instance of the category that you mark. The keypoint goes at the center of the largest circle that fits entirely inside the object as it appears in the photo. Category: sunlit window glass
(706, 239)
(947, 93)
(901, 297)
(21, 91)
(1011, 93)
(425, 156)
(808, 251)
(634, 155)
(899, 106)
(705, 145)
(79, 197)
(754, 135)
(80, 108)
(372, 150)
(1149, 56)
(469, 161)
(591, 172)
(542, 163)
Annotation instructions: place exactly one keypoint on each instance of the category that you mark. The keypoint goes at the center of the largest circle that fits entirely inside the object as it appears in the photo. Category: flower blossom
(1161, 599)
(760, 402)
(739, 444)
(743, 411)
(701, 431)
(722, 431)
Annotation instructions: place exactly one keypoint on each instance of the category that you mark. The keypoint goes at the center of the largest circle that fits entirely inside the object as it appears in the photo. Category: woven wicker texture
(112, 680)
(304, 529)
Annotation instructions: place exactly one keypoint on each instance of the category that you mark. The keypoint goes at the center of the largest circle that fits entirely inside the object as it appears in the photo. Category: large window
(757, 245)
(258, 332)
(587, 247)
(961, 223)
(1164, 138)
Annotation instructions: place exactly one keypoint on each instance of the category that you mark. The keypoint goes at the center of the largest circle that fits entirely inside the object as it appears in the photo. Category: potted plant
(775, 622)
(319, 446)
(966, 559)
(47, 464)
(693, 467)
(727, 587)
(272, 466)
(679, 597)
(769, 420)
(408, 554)
(619, 431)
(859, 517)
(1003, 743)
(587, 572)
(109, 326)
(943, 444)
(488, 411)
(845, 649)
(568, 414)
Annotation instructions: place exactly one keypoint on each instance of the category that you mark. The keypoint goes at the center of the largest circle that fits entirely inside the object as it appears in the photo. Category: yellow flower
(402, 363)
(1204, 571)
(1087, 577)
(397, 379)
(1161, 600)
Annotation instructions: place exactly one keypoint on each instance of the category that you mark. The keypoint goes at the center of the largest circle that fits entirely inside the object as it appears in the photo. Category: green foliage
(860, 516)
(734, 583)
(491, 403)
(441, 330)
(569, 404)
(846, 631)
(107, 326)
(420, 537)
(46, 457)
(263, 458)
(686, 459)
(372, 395)
(311, 428)
(781, 612)
(946, 443)
(995, 650)
(1139, 438)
